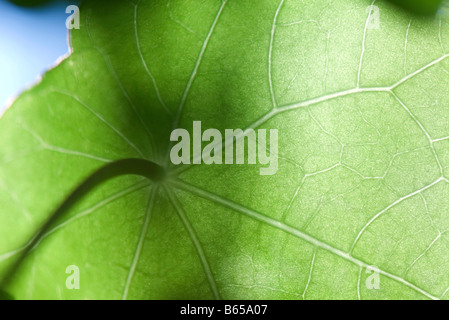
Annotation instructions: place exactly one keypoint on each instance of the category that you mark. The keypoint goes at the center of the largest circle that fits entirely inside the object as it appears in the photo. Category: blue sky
(31, 41)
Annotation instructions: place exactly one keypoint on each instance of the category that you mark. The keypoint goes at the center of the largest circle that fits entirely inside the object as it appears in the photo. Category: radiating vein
(270, 54)
(57, 149)
(112, 71)
(196, 242)
(102, 119)
(197, 65)
(106, 201)
(139, 167)
(291, 230)
(77, 216)
(142, 59)
(139, 246)
(128, 99)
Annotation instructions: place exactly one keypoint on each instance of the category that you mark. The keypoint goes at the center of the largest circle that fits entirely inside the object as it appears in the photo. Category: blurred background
(32, 38)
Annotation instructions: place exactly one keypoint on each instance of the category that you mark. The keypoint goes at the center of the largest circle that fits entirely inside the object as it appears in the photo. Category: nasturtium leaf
(359, 98)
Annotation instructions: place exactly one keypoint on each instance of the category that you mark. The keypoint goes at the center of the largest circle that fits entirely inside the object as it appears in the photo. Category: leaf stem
(140, 167)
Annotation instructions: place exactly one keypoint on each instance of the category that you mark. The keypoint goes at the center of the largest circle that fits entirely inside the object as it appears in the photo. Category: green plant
(363, 155)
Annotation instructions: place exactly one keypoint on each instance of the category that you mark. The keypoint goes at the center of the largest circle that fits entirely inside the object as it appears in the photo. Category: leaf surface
(363, 154)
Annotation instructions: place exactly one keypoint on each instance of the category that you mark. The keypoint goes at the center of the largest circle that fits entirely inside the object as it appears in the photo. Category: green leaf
(363, 155)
